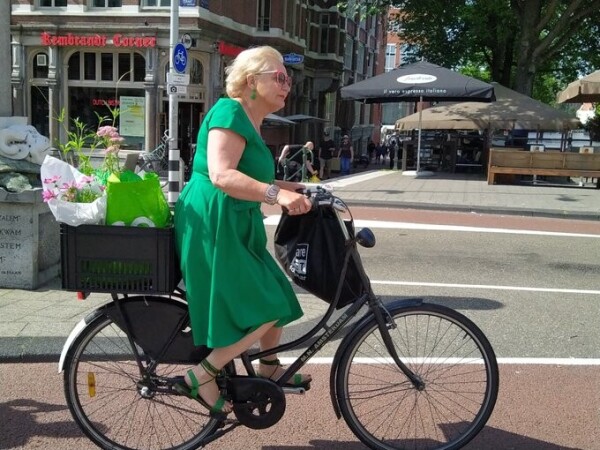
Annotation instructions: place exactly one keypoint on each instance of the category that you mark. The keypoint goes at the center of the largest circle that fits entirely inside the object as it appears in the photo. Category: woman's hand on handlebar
(294, 202)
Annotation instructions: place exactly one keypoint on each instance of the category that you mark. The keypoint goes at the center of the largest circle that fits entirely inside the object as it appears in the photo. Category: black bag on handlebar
(312, 249)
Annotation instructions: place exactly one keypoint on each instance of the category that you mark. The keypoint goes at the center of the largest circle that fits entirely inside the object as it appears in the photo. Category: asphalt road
(534, 295)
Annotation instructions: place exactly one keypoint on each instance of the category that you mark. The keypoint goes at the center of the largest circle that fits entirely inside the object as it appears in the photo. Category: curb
(556, 214)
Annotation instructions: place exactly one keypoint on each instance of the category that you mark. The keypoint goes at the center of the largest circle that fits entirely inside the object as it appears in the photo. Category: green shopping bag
(135, 201)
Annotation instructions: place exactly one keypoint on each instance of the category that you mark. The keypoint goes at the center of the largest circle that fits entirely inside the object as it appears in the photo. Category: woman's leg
(209, 390)
(271, 339)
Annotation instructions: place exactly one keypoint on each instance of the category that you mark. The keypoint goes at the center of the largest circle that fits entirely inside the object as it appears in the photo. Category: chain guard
(258, 403)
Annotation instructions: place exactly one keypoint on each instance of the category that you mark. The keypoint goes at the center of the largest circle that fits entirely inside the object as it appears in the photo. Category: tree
(523, 44)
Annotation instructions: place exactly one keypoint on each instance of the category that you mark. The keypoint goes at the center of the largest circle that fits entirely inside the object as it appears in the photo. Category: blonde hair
(249, 62)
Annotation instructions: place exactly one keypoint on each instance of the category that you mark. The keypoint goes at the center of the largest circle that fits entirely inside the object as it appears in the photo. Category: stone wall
(29, 241)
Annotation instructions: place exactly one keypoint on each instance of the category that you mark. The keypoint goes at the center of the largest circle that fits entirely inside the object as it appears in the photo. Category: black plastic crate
(98, 258)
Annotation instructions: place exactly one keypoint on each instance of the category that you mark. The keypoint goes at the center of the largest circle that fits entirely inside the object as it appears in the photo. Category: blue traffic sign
(180, 57)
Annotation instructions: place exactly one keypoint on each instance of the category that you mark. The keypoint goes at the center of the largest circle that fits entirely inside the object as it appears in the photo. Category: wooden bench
(549, 163)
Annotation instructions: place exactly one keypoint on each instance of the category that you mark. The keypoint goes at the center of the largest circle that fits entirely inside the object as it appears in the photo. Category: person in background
(326, 151)
(292, 158)
(371, 148)
(237, 294)
(346, 155)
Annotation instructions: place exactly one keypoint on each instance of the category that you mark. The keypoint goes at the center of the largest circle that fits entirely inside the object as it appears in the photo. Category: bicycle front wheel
(451, 356)
(120, 406)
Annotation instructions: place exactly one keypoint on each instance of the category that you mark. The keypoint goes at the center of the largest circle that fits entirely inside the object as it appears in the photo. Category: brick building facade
(78, 56)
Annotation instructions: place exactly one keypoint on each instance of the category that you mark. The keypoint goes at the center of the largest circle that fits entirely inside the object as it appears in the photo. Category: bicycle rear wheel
(452, 357)
(116, 407)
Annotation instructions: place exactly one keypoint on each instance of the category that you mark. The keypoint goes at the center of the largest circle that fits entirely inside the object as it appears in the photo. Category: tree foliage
(533, 46)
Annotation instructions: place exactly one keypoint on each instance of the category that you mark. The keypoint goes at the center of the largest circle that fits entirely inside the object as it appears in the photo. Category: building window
(96, 66)
(390, 57)
(107, 3)
(156, 3)
(196, 72)
(40, 66)
(348, 52)
(40, 110)
(264, 15)
(52, 3)
(360, 58)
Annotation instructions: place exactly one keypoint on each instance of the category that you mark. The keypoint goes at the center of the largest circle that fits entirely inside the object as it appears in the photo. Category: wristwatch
(271, 194)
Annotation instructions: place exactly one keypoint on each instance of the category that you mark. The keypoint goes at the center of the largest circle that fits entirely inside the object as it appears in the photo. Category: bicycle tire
(104, 392)
(459, 369)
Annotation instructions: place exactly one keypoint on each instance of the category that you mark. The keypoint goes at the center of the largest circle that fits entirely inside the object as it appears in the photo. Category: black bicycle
(407, 375)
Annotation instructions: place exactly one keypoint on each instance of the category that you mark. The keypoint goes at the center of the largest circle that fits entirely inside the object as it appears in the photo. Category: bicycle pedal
(296, 390)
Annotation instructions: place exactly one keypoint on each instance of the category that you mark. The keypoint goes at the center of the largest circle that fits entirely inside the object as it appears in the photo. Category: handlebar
(323, 196)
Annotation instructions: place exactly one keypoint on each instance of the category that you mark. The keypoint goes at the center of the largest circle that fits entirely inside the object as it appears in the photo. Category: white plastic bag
(74, 214)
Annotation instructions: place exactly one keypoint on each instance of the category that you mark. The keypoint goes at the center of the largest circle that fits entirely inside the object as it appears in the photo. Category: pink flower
(48, 195)
(86, 179)
(106, 131)
(112, 149)
(52, 180)
(70, 185)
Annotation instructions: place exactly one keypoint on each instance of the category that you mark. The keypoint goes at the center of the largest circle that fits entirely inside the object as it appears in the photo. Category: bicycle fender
(74, 334)
(357, 328)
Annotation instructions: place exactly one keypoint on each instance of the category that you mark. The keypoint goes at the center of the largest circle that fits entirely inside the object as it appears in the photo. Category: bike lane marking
(487, 286)
(274, 220)
(328, 360)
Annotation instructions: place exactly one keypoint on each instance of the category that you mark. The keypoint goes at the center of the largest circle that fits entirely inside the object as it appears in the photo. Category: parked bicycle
(407, 375)
(156, 160)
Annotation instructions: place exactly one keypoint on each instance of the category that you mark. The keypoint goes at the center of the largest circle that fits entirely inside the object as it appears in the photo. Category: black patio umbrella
(418, 82)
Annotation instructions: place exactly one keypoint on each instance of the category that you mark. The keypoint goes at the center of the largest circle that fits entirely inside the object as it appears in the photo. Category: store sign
(229, 49)
(98, 40)
(292, 58)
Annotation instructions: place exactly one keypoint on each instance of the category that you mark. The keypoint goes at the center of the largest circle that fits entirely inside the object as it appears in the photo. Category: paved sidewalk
(469, 193)
(34, 324)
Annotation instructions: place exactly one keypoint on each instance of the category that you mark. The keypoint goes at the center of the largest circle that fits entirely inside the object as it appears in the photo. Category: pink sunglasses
(282, 78)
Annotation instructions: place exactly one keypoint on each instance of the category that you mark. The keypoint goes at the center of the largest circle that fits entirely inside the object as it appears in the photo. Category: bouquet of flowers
(73, 197)
(76, 196)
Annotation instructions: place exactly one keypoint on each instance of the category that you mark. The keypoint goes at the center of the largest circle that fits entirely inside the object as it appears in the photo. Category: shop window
(196, 72)
(89, 66)
(156, 3)
(113, 67)
(40, 65)
(88, 104)
(107, 3)
(106, 66)
(52, 3)
(75, 66)
(139, 67)
(40, 110)
(124, 65)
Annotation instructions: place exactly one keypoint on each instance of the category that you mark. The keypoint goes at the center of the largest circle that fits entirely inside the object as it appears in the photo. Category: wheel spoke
(447, 352)
(121, 409)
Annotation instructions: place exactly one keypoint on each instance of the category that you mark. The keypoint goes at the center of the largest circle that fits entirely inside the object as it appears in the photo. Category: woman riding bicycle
(236, 292)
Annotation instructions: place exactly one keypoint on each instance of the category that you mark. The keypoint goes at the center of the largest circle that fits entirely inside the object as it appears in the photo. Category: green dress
(233, 283)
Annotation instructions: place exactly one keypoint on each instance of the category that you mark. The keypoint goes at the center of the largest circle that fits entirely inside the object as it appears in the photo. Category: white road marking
(286, 360)
(274, 220)
(488, 286)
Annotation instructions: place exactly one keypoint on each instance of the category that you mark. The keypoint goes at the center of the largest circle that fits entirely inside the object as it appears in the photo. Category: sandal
(295, 381)
(215, 411)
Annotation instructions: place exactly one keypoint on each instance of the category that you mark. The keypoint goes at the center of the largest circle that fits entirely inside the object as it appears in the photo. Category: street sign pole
(174, 154)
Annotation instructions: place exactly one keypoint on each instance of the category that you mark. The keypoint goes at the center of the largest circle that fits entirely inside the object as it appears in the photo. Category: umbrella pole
(419, 135)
